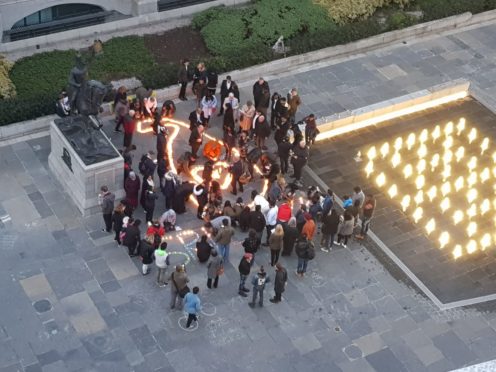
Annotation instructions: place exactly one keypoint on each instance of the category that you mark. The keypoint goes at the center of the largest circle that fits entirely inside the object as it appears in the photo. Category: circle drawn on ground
(184, 261)
(184, 320)
(208, 309)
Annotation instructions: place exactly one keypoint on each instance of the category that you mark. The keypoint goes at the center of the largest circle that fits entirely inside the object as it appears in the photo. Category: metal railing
(174, 4)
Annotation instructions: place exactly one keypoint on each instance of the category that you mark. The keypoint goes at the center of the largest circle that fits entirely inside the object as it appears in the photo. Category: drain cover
(42, 306)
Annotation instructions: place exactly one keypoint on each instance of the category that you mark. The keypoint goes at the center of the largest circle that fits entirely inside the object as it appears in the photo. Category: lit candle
(444, 239)
(432, 193)
(471, 229)
(472, 163)
(484, 145)
(471, 195)
(420, 181)
(396, 159)
(472, 179)
(446, 172)
(417, 214)
(410, 141)
(384, 149)
(447, 157)
(393, 191)
(421, 166)
(448, 129)
(457, 217)
(405, 202)
(369, 168)
(434, 162)
(460, 127)
(381, 179)
(485, 175)
(460, 153)
(419, 198)
(398, 143)
(457, 251)
(448, 142)
(430, 226)
(424, 136)
(446, 188)
(408, 170)
(472, 211)
(445, 205)
(422, 151)
(486, 241)
(471, 246)
(372, 153)
(472, 135)
(485, 207)
(436, 133)
(459, 183)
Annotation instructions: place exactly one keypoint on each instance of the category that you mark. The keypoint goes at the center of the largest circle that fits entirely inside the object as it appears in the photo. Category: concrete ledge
(386, 110)
(8, 132)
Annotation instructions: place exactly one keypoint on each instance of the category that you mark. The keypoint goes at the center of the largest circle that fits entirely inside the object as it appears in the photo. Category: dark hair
(214, 252)
(225, 221)
(163, 246)
(239, 200)
(272, 202)
(258, 207)
(357, 189)
(254, 193)
(227, 203)
(330, 192)
(104, 188)
(204, 238)
(196, 290)
(137, 222)
(252, 233)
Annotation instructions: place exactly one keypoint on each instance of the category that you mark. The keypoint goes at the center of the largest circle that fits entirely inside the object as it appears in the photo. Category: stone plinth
(83, 181)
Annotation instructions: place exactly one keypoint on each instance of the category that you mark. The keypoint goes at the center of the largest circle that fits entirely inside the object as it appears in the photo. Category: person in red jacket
(284, 213)
(155, 228)
(129, 128)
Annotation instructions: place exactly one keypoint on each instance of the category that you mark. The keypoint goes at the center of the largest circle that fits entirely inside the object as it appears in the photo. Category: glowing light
(447, 157)
(418, 214)
(457, 251)
(494, 172)
(369, 168)
(380, 179)
(460, 127)
(471, 229)
(424, 136)
(421, 166)
(485, 241)
(405, 202)
(471, 195)
(420, 181)
(472, 135)
(472, 179)
(432, 193)
(372, 153)
(422, 151)
(472, 163)
(446, 172)
(408, 170)
(396, 159)
(460, 153)
(384, 149)
(459, 183)
(471, 246)
(434, 162)
(445, 188)
(448, 143)
(419, 198)
(430, 226)
(444, 239)
(448, 129)
(485, 175)
(393, 191)
(472, 211)
(494, 157)
(436, 133)
(485, 207)
(398, 144)
(457, 217)
(445, 205)
(484, 145)
(410, 141)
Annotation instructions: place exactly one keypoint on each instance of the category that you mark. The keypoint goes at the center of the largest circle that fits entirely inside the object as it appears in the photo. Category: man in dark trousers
(300, 159)
(260, 89)
(196, 118)
(227, 86)
(244, 271)
(257, 221)
(129, 128)
(161, 142)
(196, 140)
(258, 282)
(183, 77)
(107, 203)
(146, 167)
(283, 150)
(279, 283)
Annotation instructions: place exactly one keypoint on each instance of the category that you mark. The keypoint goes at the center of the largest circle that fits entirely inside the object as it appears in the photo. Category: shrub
(158, 76)
(345, 11)
(435, 9)
(399, 20)
(7, 88)
(204, 18)
(15, 110)
(223, 36)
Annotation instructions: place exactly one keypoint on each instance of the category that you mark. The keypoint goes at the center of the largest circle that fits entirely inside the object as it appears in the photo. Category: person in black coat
(149, 205)
(227, 86)
(237, 169)
(279, 283)
(282, 129)
(146, 252)
(196, 118)
(146, 167)
(244, 219)
(162, 166)
(251, 244)
(330, 223)
(181, 195)
(201, 193)
(132, 237)
(212, 81)
(299, 159)
(117, 221)
(169, 189)
(260, 92)
(183, 77)
(290, 235)
(196, 140)
(273, 109)
(162, 142)
(262, 131)
(203, 249)
(283, 150)
(257, 221)
(244, 271)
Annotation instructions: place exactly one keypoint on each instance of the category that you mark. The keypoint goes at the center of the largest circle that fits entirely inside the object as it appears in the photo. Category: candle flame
(430, 226)
(417, 214)
(460, 127)
(408, 170)
(381, 179)
(421, 165)
(472, 163)
(448, 128)
(420, 182)
(422, 151)
(393, 191)
(384, 149)
(471, 195)
(484, 145)
(372, 153)
(398, 144)
(446, 172)
(460, 153)
(486, 241)
(445, 205)
(459, 183)
(457, 217)
(396, 159)
(472, 211)
(424, 136)
(419, 198)
(446, 188)
(485, 207)
(448, 143)
(457, 251)
(436, 133)
(471, 246)
(444, 239)
(369, 168)
(485, 175)
(472, 135)
(410, 141)
(434, 162)
(405, 202)
(432, 193)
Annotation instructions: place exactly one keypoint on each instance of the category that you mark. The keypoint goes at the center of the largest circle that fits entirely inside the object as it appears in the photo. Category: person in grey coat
(345, 228)
(215, 265)
(107, 200)
(258, 282)
(279, 283)
(179, 280)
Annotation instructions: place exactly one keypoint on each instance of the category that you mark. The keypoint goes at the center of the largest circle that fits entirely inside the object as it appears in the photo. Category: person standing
(208, 105)
(196, 140)
(257, 221)
(107, 203)
(280, 282)
(290, 236)
(179, 283)
(299, 160)
(149, 204)
(294, 101)
(330, 223)
(259, 91)
(192, 306)
(345, 228)
(146, 252)
(234, 103)
(305, 251)
(262, 131)
(251, 244)
(201, 193)
(275, 244)
(161, 261)
(367, 213)
(246, 117)
(132, 187)
(129, 128)
(258, 282)
(283, 150)
(358, 195)
(237, 169)
(311, 130)
(273, 109)
(227, 86)
(223, 239)
(244, 271)
(215, 268)
(132, 237)
(309, 227)
(162, 134)
(117, 221)
(271, 220)
(147, 168)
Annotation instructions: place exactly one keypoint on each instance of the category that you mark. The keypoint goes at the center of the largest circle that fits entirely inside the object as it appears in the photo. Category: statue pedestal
(81, 175)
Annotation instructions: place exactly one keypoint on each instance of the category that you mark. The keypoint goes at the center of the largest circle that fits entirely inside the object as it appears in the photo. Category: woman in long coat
(132, 187)
(247, 112)
(214, 266)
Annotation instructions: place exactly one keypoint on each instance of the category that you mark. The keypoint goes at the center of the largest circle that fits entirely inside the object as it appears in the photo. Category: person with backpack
(146, 253)
(244, 271)
(258, 282)
(305, 251)
(179, 287)
(162, 261)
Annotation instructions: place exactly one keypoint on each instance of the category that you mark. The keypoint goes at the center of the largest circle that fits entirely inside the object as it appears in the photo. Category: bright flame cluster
(435, 184)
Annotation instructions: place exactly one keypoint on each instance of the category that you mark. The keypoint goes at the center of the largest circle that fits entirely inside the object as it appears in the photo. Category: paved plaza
(74, 301)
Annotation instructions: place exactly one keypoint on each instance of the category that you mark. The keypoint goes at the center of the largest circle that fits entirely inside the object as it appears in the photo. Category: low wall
(298, 62)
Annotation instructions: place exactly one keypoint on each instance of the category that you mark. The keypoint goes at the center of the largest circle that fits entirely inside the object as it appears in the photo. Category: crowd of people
(274, 216)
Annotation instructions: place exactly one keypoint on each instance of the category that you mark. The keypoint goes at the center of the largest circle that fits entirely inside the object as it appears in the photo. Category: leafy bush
(399, 20)
(15, 110)
(345, 11)
(435, 9)
(158, 76)
(204, 18)
(223, 36)
(7, 88)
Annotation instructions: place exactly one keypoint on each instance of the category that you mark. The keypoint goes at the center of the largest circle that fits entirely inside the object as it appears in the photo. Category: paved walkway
(352, 312)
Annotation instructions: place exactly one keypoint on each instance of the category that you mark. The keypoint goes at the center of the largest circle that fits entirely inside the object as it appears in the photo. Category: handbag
(181, 292)
(245, 178)
(220, 271)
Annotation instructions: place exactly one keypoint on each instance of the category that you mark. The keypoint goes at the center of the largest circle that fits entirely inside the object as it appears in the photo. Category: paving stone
(370, 343)
(384, 360)
(454, 349)
(307, 343)
(83, 314)
(428, 354)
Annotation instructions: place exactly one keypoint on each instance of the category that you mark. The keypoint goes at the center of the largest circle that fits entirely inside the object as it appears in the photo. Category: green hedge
(435, 9)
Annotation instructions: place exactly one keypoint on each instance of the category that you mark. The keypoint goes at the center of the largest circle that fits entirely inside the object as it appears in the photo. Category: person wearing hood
(169, 188)
(244, 271)
(149, 204)
(201, 195)
(161, 260)
(181, 195)
(168, 220)
(280, 282)
(132, 187)
(330, 223)
(258, 282)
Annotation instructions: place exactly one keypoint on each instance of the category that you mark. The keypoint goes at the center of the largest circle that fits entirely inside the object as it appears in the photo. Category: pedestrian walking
(162, 261)
(367, 213)
(192, 305)
(305, 251)
(215, 269)
(132, 237)
(258, 282)
(107, 200)
(244, 271)
(179, 286)
(280, 282)
(223, 239)
(275, 244)
(117, 221)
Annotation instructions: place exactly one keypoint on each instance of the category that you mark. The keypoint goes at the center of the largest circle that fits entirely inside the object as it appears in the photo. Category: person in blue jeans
(192, 305)
(305, 251)
(223, 239)
(258, 282)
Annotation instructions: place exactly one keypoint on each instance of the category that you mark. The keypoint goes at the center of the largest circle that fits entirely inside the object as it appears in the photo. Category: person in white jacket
(234, 104)
(162, 261)
(208, 106)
